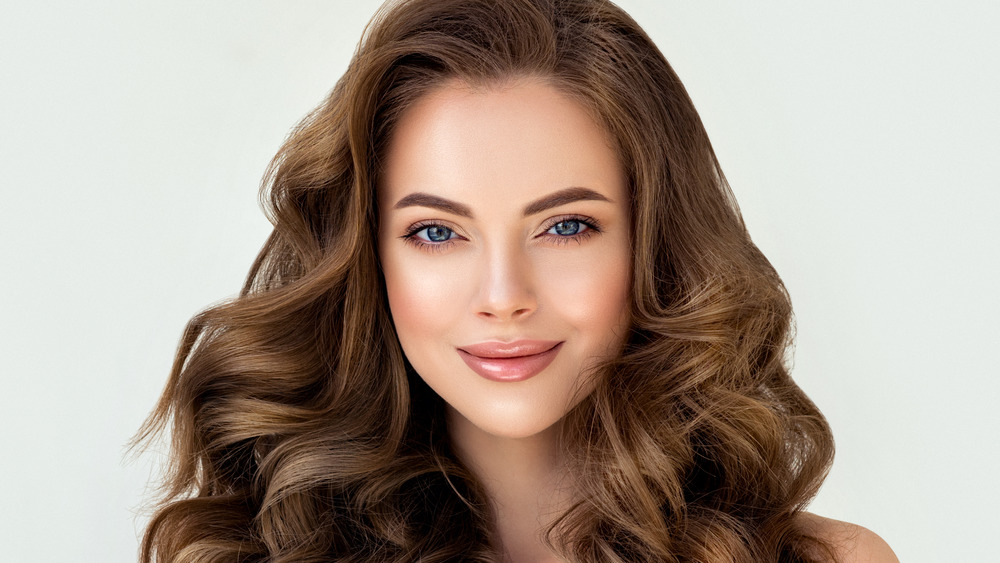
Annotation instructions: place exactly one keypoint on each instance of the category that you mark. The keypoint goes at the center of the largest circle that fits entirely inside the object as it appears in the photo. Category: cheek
(422, 296)
(591, 291)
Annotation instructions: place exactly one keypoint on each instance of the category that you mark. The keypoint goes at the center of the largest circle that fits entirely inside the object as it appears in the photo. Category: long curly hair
(300, 432)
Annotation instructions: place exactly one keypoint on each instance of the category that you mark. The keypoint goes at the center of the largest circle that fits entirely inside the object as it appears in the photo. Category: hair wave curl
(300, 433)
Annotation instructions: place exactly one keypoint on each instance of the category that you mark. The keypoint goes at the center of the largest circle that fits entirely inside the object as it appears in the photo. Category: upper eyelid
(420, 225)
(591, 222)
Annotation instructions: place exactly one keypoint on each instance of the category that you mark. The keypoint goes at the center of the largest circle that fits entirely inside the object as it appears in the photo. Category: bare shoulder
(851, 543)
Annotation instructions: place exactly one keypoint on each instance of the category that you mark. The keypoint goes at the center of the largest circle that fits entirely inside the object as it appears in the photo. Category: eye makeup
(586, 228)
(591, 227)
(412, 236)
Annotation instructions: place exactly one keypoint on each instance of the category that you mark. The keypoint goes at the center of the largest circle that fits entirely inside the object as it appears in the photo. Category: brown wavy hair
(300, 432)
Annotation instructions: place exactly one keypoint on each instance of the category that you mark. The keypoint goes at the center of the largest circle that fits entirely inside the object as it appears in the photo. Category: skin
(851, 543)
(498, 274)
(557, 274)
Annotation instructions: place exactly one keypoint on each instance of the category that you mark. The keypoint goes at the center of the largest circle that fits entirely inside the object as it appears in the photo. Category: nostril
(515, 314)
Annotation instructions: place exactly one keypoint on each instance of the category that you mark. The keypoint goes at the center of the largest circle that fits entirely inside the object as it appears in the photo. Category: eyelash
(593, 228)
(411, 237)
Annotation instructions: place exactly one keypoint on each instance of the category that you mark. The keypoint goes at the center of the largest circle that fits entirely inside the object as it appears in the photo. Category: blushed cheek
(425, 298)
(591, 293)
(407, 300)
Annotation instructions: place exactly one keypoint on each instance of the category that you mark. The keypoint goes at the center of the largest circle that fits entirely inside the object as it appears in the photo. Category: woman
(509, 311)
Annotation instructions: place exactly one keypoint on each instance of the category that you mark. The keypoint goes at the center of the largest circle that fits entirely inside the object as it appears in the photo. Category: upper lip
(513, 349)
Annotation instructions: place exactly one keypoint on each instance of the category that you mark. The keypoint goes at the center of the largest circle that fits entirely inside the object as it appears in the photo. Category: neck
(525, 479)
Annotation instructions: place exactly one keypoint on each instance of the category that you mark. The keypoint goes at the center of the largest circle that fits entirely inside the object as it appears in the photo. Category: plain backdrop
(861, 139)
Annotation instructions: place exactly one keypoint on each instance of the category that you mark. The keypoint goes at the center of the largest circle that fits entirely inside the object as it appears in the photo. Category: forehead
(524, 137)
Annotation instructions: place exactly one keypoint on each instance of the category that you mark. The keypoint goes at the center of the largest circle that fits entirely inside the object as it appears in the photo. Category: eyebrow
(555, 199)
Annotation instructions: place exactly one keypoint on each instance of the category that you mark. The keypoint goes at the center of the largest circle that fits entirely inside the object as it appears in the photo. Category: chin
(516, 429)
(506, 422)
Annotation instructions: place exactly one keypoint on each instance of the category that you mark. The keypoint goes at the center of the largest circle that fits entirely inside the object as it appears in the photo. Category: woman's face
(504, 239)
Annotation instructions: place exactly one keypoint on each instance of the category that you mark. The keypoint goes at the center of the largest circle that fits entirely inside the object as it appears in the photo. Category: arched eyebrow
(555, 199)
(421, 199)
(562, 197)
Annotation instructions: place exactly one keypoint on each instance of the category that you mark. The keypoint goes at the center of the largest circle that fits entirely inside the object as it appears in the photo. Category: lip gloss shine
(510, 361)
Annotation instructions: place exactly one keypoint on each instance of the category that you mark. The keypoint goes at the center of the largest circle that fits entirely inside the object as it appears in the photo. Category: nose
(506, 289)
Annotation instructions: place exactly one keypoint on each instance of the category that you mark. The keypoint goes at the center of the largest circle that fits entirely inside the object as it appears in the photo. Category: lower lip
(510, 369)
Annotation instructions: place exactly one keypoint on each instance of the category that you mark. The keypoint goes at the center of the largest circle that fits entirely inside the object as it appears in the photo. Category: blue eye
(568, 228)
(435, 233)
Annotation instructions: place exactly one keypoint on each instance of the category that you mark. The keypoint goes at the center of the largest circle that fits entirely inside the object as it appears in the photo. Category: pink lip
(510, 361)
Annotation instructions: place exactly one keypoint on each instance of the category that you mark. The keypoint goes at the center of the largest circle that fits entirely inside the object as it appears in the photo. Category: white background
(861, 139)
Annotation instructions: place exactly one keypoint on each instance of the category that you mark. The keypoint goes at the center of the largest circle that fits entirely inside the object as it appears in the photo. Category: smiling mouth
(510, 362)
